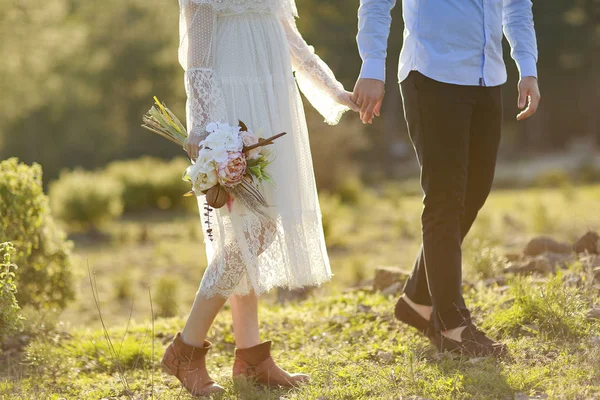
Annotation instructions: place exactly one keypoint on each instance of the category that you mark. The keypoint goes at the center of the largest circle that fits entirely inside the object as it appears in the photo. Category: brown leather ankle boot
(256, 363)
(187, 363)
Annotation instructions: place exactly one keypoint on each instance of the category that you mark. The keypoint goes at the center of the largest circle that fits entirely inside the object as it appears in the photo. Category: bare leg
(244, 310)
(202, 315)
(423, 310)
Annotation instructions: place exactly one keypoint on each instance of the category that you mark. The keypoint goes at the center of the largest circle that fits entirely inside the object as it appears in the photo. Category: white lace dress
(239, 58)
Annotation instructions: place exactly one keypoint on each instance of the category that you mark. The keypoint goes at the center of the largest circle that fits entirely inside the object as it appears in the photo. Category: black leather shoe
(405, 313)
(474, 343)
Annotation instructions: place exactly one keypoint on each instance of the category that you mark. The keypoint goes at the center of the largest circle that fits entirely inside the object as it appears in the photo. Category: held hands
(529, 95)
(345, 98)
(368, 95)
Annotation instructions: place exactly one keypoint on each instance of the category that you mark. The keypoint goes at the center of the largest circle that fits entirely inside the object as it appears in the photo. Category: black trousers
(455, 131)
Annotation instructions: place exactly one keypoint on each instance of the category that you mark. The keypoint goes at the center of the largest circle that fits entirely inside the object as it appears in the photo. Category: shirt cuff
(526, 64)
(373, 68)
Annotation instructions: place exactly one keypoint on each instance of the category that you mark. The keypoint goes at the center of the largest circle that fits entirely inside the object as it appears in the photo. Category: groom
(450, 70)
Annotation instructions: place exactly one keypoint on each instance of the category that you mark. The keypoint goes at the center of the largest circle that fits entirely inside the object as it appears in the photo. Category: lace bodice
(198, 27)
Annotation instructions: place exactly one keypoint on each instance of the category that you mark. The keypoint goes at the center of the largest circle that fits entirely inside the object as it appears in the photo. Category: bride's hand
(345, 98)
(192, 145)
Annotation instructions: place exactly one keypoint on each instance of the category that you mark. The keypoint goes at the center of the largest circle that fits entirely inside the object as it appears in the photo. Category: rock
(594, 313)
(590, 242)
(572, 280)
(597, 274)
(560, 260)
(393, 290)
(364, 308)
(498, 281)
(387, 276)
(524, 396)
(384, 356)
(295, 295)
(543, 264)
(360, 288)
(544, 244)
(539, 264)
(503, 289)
(477, 360)
(512, 257)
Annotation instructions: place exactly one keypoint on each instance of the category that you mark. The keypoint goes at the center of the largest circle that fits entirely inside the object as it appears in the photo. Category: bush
(484, 260)
(165, 297)
(552, 179)
(150, 184)
(557, 310)
(10, 317)
(86, 200)
(44, 277)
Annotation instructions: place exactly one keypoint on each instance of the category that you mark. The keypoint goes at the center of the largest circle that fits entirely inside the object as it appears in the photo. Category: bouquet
(232, 159)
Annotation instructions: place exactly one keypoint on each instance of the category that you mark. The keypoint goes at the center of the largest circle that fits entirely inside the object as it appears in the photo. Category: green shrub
(165, 297)
(10, 317)
(123, 285)
(484, 259)
(150, 183)
(556, 310)
(44, 277)
(86, 200)
(542, 221)
(552, 179)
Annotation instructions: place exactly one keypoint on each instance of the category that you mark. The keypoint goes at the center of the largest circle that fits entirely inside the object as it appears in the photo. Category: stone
(394, 290)
(387, 276)
(572, 280)
(597, 274)
(294, 295)
(542, 264)
(524, 396)
(544, 244)
(559, 260)
(536, 265)
(590, 242)
(594, 313)
(477, 360)
(364, 308)
(360, 288)
(385, 356)
(498, 281)
(512, 257)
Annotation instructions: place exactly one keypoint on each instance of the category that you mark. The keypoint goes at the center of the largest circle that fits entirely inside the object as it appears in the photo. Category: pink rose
(251, 139)
(231, 172)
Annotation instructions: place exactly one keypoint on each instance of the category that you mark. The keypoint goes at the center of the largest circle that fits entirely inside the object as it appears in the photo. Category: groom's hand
(529, 95)
(368, 95)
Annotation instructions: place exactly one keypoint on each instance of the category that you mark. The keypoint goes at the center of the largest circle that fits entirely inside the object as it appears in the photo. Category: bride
(239, 58)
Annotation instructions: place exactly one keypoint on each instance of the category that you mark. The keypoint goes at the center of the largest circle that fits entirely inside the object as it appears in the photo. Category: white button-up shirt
(451, 41)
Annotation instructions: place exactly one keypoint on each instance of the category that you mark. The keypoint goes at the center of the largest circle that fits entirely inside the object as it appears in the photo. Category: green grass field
(347, 340)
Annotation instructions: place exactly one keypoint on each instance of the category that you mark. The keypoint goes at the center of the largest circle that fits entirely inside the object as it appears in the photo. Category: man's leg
(485, 139)
(486, 128)
(439, 119)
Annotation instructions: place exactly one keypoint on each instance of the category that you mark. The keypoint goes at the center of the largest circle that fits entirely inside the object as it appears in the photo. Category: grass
(348, 341)
(350, 344)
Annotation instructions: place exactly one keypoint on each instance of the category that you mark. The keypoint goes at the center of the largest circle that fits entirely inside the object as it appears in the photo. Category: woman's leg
(203, 313)
(244, 310)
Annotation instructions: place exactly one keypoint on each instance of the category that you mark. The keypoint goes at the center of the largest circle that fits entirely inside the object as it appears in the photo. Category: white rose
(201, 175)
(205, 181)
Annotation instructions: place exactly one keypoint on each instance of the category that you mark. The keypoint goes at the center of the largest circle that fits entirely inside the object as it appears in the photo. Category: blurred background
(78, 75)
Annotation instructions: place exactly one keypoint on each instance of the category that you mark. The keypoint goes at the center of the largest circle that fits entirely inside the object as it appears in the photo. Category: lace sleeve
(196, 56)
(314, 77)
